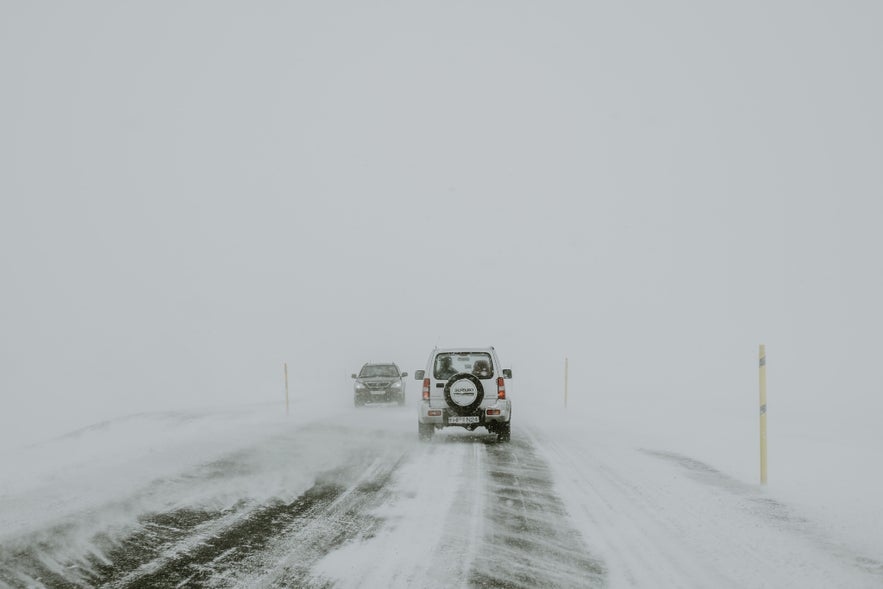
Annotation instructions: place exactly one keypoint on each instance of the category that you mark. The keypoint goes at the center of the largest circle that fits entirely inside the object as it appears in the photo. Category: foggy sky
(193, 193)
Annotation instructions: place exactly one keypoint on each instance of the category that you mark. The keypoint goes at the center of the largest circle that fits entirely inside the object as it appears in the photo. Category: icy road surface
(343, 497)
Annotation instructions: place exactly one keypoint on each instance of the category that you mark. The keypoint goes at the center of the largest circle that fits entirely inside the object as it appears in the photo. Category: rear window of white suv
(447, 364)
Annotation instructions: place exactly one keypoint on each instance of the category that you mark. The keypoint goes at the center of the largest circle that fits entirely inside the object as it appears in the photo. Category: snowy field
(624, 497)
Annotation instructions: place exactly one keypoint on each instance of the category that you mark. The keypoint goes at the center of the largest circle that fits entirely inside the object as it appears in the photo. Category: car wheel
(402, 399)
(464, 393)
(503, 432)
(425, 431)
(358, 401)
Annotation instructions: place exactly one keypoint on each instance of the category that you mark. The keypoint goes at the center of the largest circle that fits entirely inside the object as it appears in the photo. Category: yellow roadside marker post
(763, 463)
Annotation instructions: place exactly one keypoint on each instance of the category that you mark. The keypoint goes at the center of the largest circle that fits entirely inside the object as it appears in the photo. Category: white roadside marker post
(763, 462)
(285, 367)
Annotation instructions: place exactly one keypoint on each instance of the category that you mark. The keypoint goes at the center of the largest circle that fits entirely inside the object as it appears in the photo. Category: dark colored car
(379, 383)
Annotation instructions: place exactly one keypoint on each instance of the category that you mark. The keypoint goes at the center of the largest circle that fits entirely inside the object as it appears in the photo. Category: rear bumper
(438, 416)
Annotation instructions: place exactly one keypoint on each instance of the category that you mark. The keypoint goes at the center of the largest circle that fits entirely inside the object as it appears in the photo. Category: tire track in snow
(473, 513)
(348, 515)
(269, 545)
(529, 541)
(418, 545)
(275, 541)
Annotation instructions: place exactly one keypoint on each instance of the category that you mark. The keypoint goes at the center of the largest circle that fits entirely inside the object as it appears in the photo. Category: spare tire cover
(464, 393)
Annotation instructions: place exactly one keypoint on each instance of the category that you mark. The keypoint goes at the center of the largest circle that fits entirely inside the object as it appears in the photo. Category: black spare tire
(464, 393)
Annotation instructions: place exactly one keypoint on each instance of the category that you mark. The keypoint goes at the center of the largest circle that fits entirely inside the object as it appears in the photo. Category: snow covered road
(339, 497)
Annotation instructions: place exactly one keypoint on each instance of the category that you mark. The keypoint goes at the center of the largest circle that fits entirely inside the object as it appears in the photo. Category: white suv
(464, 387)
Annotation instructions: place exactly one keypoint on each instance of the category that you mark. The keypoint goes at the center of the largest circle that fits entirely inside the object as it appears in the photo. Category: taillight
(425, 389)
(501, 388)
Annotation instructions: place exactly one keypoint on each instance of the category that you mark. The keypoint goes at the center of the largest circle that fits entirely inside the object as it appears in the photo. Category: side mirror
(352, 376)
(418, 375)
(404, 374)
(507, 373)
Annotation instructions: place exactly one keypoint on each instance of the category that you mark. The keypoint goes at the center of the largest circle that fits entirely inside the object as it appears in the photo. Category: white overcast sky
(192, 193)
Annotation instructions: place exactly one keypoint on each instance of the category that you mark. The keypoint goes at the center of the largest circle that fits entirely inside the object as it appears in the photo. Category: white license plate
(463, 419)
